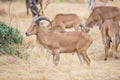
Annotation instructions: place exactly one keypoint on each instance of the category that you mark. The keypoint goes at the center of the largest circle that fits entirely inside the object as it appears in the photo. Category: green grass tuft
(10, 40)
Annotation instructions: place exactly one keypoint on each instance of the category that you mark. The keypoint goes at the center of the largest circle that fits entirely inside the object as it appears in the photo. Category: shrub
(10, 40)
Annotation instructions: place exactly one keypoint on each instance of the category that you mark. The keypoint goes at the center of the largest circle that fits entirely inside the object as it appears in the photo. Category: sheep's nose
(26, 34)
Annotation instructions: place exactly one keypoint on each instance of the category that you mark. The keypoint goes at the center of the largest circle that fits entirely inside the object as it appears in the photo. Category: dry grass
(39, 65)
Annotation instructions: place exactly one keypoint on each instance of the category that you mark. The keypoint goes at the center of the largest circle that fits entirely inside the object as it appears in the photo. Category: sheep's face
(33, 29)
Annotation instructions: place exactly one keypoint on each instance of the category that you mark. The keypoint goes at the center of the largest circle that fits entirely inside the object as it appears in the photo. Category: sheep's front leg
(80, 57)
(57, 56)
(62, 26)
(53, 53)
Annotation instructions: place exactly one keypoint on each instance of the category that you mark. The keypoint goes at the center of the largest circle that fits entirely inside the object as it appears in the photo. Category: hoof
(116, 57)
(105, 59)
(72, 53)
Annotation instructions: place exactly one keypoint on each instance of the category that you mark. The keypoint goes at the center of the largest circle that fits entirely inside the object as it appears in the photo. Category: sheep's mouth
(27, 34)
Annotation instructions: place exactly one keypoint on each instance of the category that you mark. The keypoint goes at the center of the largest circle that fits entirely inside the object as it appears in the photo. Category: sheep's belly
(67, 50)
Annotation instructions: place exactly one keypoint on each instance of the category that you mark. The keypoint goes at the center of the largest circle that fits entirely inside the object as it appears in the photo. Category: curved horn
(41, 18)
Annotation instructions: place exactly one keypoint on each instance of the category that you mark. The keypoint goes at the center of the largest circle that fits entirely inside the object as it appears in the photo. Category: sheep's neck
(42, 37)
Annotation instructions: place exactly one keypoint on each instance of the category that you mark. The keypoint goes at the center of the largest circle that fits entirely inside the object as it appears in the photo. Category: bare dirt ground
(39, 65)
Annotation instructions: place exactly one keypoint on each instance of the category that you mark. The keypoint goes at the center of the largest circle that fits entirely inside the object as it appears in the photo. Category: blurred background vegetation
(72, 1)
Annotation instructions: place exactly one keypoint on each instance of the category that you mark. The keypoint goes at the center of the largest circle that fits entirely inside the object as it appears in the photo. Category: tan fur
(62, 42)
(63, 21)
(110, 34)
(98, 3)
(100, 14)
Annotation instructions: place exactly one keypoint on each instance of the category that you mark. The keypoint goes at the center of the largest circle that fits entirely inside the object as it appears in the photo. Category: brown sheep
(63, 21)
(61, 42)
(110, 34)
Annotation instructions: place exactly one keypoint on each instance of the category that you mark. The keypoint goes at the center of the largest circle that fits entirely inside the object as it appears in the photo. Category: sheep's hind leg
(114, 49)
(106, 53)
(85, 56)
(80, 57)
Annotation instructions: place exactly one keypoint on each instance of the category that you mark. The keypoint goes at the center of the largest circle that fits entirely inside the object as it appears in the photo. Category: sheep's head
(83, 28)
(33, 29)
